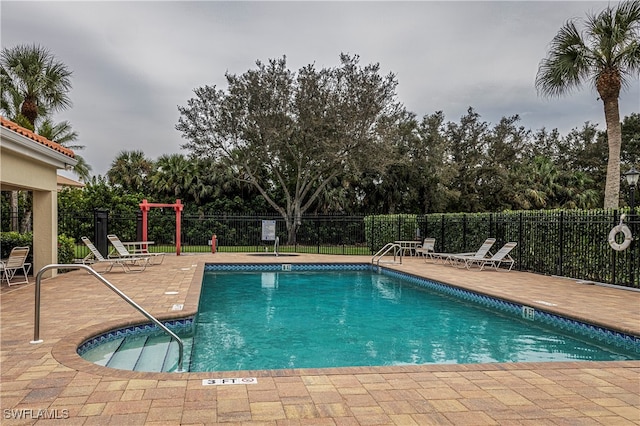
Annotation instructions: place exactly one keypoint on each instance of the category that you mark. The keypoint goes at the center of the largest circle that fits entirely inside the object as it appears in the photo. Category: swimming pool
(274, 316)
(310, 319)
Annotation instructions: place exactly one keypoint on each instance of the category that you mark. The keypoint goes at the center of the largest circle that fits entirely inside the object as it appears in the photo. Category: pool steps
(148, 353)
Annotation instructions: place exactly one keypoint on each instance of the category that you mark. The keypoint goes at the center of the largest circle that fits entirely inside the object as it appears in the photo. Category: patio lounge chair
(16, 261)
(501, 256)
(122, 251)
(482, 253)
(428, 246)
(130, 264)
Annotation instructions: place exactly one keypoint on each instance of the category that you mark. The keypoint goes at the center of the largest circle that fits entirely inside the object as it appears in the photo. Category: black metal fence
(565, 243)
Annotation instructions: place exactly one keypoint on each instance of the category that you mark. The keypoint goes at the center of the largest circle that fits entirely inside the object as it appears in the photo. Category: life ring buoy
(627, 237)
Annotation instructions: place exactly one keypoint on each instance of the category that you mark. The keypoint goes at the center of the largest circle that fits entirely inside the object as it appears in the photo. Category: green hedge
(9, 240)
(570, 243)
(382, 229)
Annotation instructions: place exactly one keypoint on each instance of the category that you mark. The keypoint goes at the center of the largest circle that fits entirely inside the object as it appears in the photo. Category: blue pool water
(300, 319)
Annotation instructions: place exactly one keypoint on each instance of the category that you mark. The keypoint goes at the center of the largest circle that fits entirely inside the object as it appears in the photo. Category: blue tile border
(184, 325)
(278, 267)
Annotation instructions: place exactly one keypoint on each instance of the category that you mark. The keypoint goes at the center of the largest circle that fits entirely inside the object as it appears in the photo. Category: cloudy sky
(134, 63)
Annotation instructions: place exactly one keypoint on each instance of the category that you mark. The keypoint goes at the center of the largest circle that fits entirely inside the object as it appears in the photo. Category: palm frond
(567, 64)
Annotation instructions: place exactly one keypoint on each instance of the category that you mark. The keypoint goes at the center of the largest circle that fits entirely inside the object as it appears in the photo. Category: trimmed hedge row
(570, 243)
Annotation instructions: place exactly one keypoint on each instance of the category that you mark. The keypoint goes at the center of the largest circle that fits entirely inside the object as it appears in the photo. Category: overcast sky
(134, 63)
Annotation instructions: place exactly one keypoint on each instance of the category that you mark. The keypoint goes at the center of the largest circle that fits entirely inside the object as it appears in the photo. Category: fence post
(464, 231)
(373, 220)
(613, 252)
(442, 233)
(318, 232)
(561, 238)
(491, 224)
(520, 241)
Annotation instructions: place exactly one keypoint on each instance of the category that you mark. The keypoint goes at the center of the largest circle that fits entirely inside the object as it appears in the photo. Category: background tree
(291, 134)
(131, 171)
(175, 176)
(467, 153)
(631, 141)
(606, 52)
(507, 146)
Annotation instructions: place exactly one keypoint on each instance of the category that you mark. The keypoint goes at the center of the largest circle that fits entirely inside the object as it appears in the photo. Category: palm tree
(63, 134)
(130, 170)
(31, 74)
(173, 175)
(606, 53)
(32, 84)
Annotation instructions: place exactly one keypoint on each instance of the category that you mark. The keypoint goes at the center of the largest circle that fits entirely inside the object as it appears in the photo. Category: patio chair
(501, 256)
(16, 261)
(130, 264)
(122, 251)
(427, 247)
(482, 253)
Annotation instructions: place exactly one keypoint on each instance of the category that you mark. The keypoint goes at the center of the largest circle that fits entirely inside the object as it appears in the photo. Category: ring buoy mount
(628, 237)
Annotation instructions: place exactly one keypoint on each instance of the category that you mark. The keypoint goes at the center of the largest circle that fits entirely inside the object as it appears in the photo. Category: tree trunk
(294, 220)
(291, 232)
(614, 137)
(25, 226)
(15, 223)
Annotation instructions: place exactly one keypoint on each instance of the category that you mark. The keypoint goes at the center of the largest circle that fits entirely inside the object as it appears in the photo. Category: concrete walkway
(50, 384)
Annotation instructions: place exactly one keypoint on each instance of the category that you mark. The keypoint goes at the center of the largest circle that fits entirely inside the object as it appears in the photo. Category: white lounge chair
(427, 247)
(495, 261)
(122, 251)
(130, 264)
(16, 261)
(482, 253)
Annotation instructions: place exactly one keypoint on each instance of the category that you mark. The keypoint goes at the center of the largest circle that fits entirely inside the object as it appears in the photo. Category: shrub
(66, 249)
(9, 240)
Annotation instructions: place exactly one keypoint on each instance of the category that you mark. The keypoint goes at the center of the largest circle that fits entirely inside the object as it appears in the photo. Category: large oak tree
(290, 134)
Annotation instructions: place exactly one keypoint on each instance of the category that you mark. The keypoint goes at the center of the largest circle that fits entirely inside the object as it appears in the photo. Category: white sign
(233, 381)
(268, 230)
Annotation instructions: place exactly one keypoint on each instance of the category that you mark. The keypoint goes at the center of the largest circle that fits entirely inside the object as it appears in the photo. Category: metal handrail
(384, 250)
(36, 325)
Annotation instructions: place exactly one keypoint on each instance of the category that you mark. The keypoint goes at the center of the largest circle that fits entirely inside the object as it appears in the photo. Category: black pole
(100, 230)
(633, 233)
(138, 225)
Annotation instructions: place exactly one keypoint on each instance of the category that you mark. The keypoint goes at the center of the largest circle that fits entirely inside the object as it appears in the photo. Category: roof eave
(23, 145)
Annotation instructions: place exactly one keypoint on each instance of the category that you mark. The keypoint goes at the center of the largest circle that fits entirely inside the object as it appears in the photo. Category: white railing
(276, 246)
(36, 324)
(397, 254)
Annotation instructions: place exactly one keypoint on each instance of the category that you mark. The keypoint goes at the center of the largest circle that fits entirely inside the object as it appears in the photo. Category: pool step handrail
(276, 246)
(36, 324)
(397, 254)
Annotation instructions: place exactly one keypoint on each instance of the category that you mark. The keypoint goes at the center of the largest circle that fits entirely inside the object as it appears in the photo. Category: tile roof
(35, 137)
(65, 181)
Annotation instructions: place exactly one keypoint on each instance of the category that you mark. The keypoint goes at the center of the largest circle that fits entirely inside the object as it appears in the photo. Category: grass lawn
(81, 250)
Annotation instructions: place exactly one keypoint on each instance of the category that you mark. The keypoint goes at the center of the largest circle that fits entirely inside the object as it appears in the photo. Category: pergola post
(145, 206)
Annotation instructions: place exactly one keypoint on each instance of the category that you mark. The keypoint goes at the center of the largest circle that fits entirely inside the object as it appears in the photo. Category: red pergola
(145, 206)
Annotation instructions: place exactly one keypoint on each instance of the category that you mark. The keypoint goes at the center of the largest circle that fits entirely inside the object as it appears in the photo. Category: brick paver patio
(48, 380)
